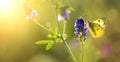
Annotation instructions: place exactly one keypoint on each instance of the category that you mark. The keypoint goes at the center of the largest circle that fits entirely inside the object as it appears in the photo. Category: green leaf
(50, 36)
(54, 33)
(42, 42)
(70, 8)
(54, 36)
(58, 40)
(49, 45)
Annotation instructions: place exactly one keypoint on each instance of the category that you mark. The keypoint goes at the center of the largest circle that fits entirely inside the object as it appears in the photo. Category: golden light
(12, 16)
(5, 4)
(10, 10)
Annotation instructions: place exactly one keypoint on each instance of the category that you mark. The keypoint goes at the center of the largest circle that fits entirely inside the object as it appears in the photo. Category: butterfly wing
(102, 21)
(95, 30)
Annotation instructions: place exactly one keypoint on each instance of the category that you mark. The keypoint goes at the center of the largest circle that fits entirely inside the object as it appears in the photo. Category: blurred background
(17, 35)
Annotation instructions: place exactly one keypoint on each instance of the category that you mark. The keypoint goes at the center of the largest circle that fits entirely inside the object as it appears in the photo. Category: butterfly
(97, 27)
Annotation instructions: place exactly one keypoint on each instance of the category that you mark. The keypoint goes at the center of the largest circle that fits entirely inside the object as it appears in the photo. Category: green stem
(82, 52)
(41, 25)
(64, 26)
(69, 49)
(64, 41)
(57, 20)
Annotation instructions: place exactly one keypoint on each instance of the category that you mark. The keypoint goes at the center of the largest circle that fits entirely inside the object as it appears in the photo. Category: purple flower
(30, 13)
(79, 24)
(81, 28)
(34, 13)
(66, 14)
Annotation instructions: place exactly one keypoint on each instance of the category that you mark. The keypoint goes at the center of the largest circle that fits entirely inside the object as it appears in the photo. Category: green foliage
(54, 36)
(49, 45)
(42, 42)
(48, 42)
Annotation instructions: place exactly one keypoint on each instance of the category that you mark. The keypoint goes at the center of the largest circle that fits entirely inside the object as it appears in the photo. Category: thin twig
(41, 25)
(64, 41)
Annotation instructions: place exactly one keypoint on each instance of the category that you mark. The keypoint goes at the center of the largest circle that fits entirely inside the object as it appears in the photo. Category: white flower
(60, 17)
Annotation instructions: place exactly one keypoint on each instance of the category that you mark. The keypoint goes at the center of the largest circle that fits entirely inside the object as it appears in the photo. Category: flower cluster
(31, 13)
(81, 28)
(64, 13)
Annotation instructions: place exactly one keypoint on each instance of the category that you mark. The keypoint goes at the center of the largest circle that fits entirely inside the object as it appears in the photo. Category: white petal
(60, 17)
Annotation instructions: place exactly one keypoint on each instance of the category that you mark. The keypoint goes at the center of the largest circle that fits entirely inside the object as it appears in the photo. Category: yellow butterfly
(96, 28)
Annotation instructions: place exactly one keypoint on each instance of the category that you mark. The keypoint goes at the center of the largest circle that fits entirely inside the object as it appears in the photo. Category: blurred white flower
(60, 17)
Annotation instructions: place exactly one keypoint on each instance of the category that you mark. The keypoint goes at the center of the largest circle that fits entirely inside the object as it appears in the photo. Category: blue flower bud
(80, 21)
(79, 25)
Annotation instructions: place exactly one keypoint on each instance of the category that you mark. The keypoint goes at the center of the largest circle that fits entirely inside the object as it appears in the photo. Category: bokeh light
(5, 4)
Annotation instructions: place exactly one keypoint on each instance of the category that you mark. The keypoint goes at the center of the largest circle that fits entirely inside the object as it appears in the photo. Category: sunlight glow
(5, 4)
(9, 10)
